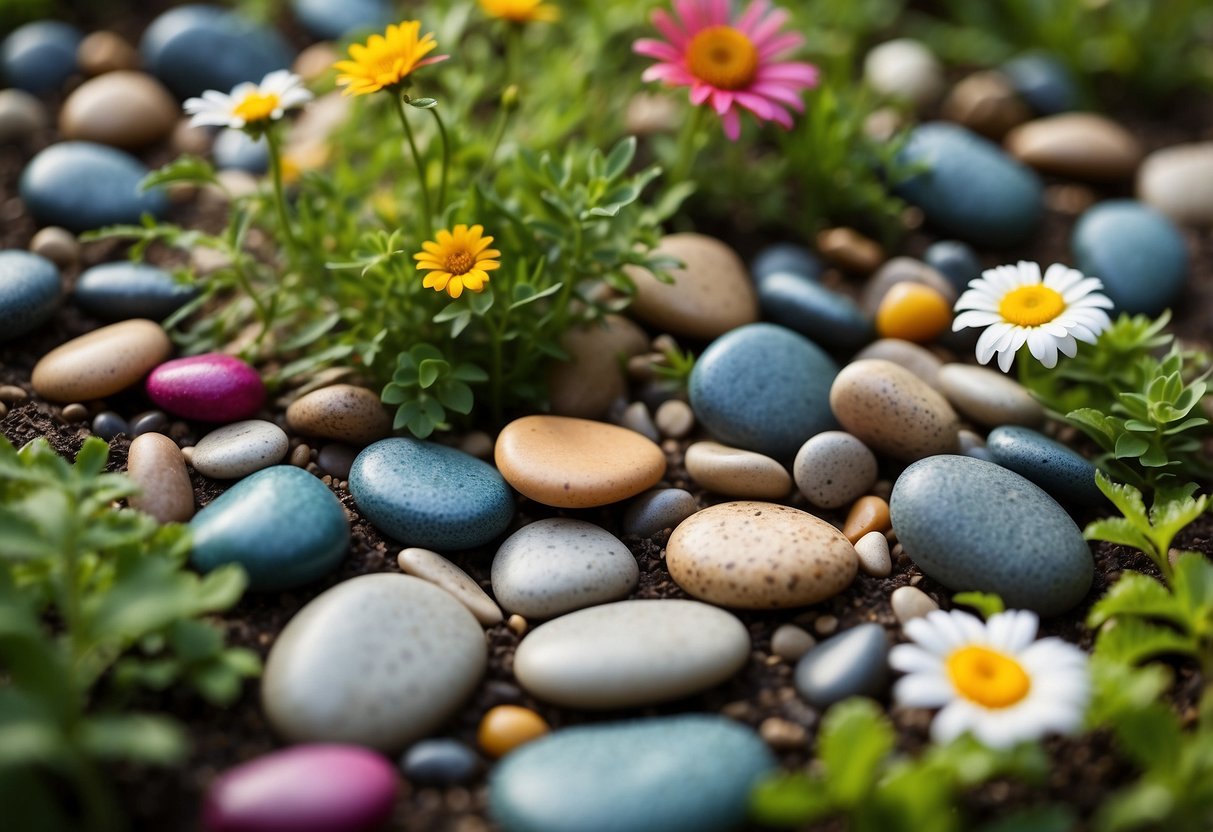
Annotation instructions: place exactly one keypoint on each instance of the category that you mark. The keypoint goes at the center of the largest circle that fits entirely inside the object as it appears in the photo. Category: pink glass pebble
(210, 388)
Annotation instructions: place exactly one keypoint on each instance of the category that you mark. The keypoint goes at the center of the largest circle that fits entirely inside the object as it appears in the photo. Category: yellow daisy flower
(459, 259)
(386, 60)
(520, 11)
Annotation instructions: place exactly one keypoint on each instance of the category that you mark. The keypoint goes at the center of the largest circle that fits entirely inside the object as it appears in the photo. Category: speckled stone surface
(787, 258)
(974, 525)
(834, 468)
(696, 776)
(917, 359)
(82, 185)
(117, 291)
(752, 555)
(736, 473)
(433, 567)
(989, 397)
(852, 663)
(379, 660)
(661, 508)
(558, 565)
(102, 362)
(823, 315)
(1136, 251)
(893, 411)
(212, 387)
(239, 449)
(764, 388)
(343, 412)
(1058, 469)
(631, 653)
(429, 495)
(29, 292)
(281, 524)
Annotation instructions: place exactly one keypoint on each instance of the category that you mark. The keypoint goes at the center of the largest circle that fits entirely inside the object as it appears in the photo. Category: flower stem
(688, 147)
(503, 118)
(513, 52)
(425, 188)
(275, 146)
(446, 161)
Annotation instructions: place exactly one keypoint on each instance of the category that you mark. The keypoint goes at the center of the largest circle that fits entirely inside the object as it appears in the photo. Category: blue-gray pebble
(430, 495)
(439, 762)
(852, 663)
(281, 524)
(39, 56)
(333, 19)
(237, 150)
(974, 525)
(1058, 469)
(696, 776)
(786, 257)
(970, 187)
(955, 260)
(656, 510)
(83, 185)
(199, 47)
(1043, 81)
(29, 292)
(764, 388)
(1137, 252)
(119, 291)
(800, 303)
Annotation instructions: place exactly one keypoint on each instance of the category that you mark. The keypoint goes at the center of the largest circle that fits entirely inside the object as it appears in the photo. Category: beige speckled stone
(103, 362)
(433, 567)
(910, 602)
(592, 378)
(576, 463)
(988, 397)
(893, 411)
(737, 473)
(873, 551)
(833, 468)
(711, 293)
(917, 359)
(123, 109)
(753, 555)
(343, 412)
(56, 244)
(157, 466)
(1079, 145)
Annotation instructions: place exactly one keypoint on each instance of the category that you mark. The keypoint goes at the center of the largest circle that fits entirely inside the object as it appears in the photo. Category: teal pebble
(690, 773)
(970, 188)
(804, 305)
(430, 495)
(83, 185)
(333, 19)
(763, 388)
(281, 524)
(974, 525)
(39, 56)
(853, 663)
(786, 257)
(956, 261)
(1137, 252)
(1062, 471)
(29, 292)
(119, 291)
(1043, 81)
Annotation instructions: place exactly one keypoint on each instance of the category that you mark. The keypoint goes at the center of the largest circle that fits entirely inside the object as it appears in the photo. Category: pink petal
(672, 31)
(432, 60)
(768, 27)
(672, 75)
(750, 17)
(658, 49)
(790, 72)
(700, 92)
(716, 12)
(780, 92)
(779, 45)
(722, 101)
(732, 125)
(756, 104)
(688, 10)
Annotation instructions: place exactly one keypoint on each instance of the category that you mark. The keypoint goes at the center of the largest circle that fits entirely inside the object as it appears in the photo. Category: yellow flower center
(723, 57)
(257, 106)
(987, 677)
(1031, 305)
(459, 262)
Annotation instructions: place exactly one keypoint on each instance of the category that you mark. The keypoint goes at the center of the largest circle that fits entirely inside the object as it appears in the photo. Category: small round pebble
(157, 466)
(829, 318)
(1057, 468)
(101, 363)
(913, 357)
(212, 387)
(873, 551)
(899, 271)
(850, 250)
(790, 642)
(239, 449)
(517, 624)
(906, 69)
(786, 257)
(674, 418)
(911, 602)
(913, 312)
(11, 393)
(342, 412)
(39, 56)
(117, 291)
(440, 762)
(433, 567)
(893, 411)
(103, 51)
(736, 473)
(507, 727)
(108, 424)
(29, 292)
(74, 412)
(868, 514)
(300, 456)
(125, 109)
(152, 421)
(56, 244)
(657, 510)
(337, 459)
(22, 116)
(956, 261)
(834, 468)
(989, 397)
(636, 417)
(853, 663)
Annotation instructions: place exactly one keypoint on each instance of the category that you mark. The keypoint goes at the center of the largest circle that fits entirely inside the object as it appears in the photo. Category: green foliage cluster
(95, 605)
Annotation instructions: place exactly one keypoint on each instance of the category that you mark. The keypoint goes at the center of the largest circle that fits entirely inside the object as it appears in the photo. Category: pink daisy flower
(730, 63)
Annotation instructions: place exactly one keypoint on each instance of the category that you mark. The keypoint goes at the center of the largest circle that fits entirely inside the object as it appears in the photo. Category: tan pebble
(592, 378)
(753, 555)
(316, 61)
(342, 412)
(869, 514)
(103, 362)
(157, 466)
(674, 418)
(893, 411)
(1069, 198)
(916, 580)
(883, 124)
(186, 138)
(103, 51)
(782, 735)
(1079, 145)
(986, 103)
(576, 463)
(124, 109)
(11, 393)
(917, 359)
(506, 727)
(989, 397)
(22, 117)
(903, 270)
(711, 294)
(301, 456)
(433, 567)
(517, 624)
(640, 367)
(873, 551)
(826, 625)
(1178, 181)
(833, 468)
(477, 443)
(909, 602)
(3, 410)
(57, 245)
(736, 473)
(739, 710)
(188, 453)
(790, 642)
(850, 250)
(970, 441)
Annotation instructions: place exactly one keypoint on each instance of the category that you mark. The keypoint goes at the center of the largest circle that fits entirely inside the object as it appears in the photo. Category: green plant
(1150, 531)
(986, 603)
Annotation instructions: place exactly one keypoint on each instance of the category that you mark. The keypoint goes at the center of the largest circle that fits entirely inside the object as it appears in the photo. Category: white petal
(952, 721)
(1029, 273)
(978, 297)
(1005, 359)
(911, 658)
(923, 690)
(1044, 347)
(211, 119)
(1068, 346)
(928, 632)
(986, 344)
(974, 319)
(1060, 278)
(999, 729)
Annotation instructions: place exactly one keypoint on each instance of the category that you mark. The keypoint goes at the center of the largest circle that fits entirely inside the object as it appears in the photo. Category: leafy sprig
(1152, 530)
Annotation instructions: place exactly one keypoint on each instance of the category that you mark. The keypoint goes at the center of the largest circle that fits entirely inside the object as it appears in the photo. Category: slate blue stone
(690, 773)
(852, 663)
(974, 525)
(118, 291)
(237, 150)
(956, 261)
(107, 424)
(1058, 469)
(281, 524)
(430, 495)
(29, 292)
(39, 56)
(1137, 252)
(83, 185)
(970, 187)
(198, 47)
(832, 320)
(1043, 81)
(764, 388)
(333, 19)
(786, 257)
(439, 762)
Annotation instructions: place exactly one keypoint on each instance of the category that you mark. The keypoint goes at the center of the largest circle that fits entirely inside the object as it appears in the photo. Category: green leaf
(855, 739)
(184, 169)
(469, 373)
(620, 158)
(455, 395)
(423, 103)
(91, 459)
(986, 603)
(142, 738)
(1050, 818)
(789, 800)
(430, 369)
(534, 296)
(1132, 640)
(1137, 594)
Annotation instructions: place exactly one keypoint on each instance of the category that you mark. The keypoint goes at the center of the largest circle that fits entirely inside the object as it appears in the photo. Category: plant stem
(688, 148)
(425, 188)
(503, 118)
(263, 314)
(513, 52)
(275, 146)
(446, 161)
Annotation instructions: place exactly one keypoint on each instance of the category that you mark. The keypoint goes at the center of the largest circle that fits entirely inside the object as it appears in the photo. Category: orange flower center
(257, 106)
(988, 677)
(723, 57)
(1031, 305)
(459, 262)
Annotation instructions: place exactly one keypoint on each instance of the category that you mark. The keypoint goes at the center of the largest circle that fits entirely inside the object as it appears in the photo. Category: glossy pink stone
(211, 388)
(305, 788)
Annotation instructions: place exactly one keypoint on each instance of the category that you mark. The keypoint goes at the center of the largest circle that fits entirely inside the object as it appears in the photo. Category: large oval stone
(123, 109)
(696, 776)
(102, 362)
(592, 379)
(1137, 252)
(1178, 181)
(893, 411)
(211, 387)
(281, 524)
(1077, 145)
(343, 412)
(82, 185)
(974, 525)
(157, 466)
(29, 292)
(1057, 468)
(117, 291)
(39, 56)
(379, 660)
(827, 317)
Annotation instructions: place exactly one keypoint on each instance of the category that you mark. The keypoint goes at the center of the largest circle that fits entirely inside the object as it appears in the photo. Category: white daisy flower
(1017, 307)
(249, 104)
(991, 679)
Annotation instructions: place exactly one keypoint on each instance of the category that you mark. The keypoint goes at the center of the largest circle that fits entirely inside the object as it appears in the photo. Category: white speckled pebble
(911, 602)
(873, 551)
(833, 469)
(433, 567)
(989, 397)
(674, 418)
(239, 449)
(893, 411)
(737, 473)
(790, 642)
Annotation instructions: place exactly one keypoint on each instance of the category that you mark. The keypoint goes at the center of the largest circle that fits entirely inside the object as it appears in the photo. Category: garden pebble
(333, 19)
(853, 663)
(506, 727)
(118, 291)
(211, 387)
(433, 567)
(834, 468)
(11, 393)
(636, 417)
(913, 312)
(440, 762)
(558, 565)
(850, 250)
(868, 514)
(674, 418)
(84, 185)
(344, 412)
(57, 245)
(753, 555)
(1043, 81)
(337, 459)
(989, 397)
(107, 424)
(29, 292)
(587, 384)
(736, 473)
(956, 261)
(893, 411)
(236, 150)
(910, 602)
(873, 551)
(906, 69)
(157, 466)
(326, 681)
(790, 642)
(104, 51)
(1076, 145)
(74, 413)
(786, 258)
(101, 363)
(123, 109)
(631, 653)
(1057, 468)
(903, 270)
(986, 103)
(918, 360)
(237, 450)
(1137, 252)
(1178, 181)
(21, 116)
(38, 57)
(804, 305)
(656, 510)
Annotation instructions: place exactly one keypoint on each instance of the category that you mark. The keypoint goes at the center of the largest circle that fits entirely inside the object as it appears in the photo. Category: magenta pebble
(305, 788)
(211, 388)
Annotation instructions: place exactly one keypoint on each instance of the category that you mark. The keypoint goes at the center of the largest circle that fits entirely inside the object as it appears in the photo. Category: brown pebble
(850, 250)
(506, 727)
(301, 456)
(336, 459)
(868, 514)
(187, 138)
(782, 735)
(103, 362)
(517, 624)
(674, 418)
(11, 393)
(101, 52)
(57, 245)
(75, 412)
(3, 410)
(790, 642)
(909, 602)
(826, 625)
(478, 444)
(124, 108)
(987, 103)
(157, 465)
(342, 412)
